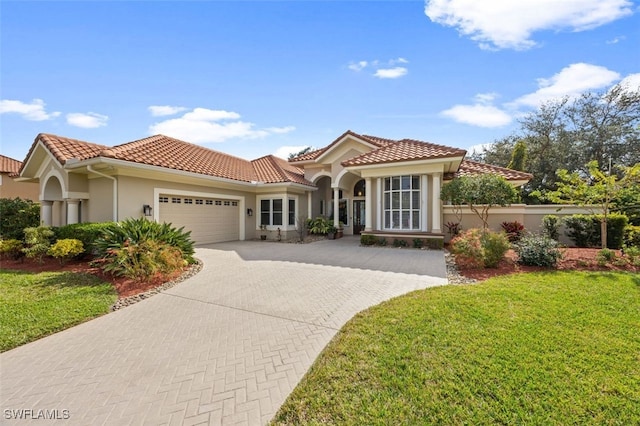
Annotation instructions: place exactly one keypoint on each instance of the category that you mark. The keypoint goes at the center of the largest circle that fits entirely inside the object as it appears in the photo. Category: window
(227, 203)
(402, 202)
(163, 199)
(209, 202)
(218, 203)
(188, 201)
(175, 200)
(292, 211)
(265, 212)
(198, 201)
(234, 203)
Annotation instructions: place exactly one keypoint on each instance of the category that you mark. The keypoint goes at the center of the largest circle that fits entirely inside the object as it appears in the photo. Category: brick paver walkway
(224, 347)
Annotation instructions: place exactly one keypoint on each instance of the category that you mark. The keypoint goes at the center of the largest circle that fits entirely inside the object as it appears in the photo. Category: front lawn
(537, 348)
(35, 305)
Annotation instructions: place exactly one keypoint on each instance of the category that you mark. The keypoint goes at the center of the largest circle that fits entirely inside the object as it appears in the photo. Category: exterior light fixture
(249, 212)
(146, 209)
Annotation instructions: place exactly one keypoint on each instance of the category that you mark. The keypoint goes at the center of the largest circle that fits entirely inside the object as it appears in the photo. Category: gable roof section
(404, 150)
(471, 168)
(9, 165)
(167, 152)
(373, 140)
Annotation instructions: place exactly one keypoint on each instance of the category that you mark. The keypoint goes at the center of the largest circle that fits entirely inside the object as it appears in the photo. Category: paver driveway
(224, 347)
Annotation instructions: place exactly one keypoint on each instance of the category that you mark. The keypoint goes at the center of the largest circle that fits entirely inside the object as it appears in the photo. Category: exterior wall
(100, 206)
(9, 188)
(529, 216)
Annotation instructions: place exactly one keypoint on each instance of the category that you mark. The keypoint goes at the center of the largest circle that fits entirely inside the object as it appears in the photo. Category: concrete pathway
(224, 347)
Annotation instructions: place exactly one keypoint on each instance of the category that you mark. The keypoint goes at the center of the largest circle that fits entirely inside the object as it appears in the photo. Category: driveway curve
(224, 347)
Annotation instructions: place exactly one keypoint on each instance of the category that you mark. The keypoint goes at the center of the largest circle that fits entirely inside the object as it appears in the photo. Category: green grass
(534, 349)
(35, 305)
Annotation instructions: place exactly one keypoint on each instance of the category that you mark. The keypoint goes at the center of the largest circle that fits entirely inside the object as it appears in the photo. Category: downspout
(115, 190)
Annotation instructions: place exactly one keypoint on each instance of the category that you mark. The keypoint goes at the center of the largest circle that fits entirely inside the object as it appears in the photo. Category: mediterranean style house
(364, 183)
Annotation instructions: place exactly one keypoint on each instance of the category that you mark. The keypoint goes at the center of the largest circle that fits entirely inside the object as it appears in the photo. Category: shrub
(538, 250)
(37, 242)
(453, 228)
(381, 241)
(418, 243)
(468, 248)
(142, 260)
(633, 254)
(11, 249)
(435, 243)
(399, 243)
(632, 236)
(18, 214)
(584, 230)
(66, 249)
(320, 225)
(513, 229)
(551, 226)
(604, 256)
(88, 233)
(367, 240)
(494, 245)
(135, 231)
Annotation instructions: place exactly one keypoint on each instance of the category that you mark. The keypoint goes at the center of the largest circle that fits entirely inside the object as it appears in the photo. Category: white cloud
(615, 40)
(632, 81)
(509, 24)
(162, 110)
(90, 120)
(478, 115)
(396, 72)
(570, 81)
(33, 111)
(358, 66)
(285, 151)
(388, 69)
(202, 125)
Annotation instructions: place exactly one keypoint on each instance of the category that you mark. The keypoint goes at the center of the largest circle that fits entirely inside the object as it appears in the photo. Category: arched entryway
(52, 203)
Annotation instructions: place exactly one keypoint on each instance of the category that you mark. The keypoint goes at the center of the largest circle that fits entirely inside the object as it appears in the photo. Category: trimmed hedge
(17, 214)
(584, 230)
(87, 233)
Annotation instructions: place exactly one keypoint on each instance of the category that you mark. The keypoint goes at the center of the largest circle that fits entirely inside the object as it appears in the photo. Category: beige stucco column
(309, 204)
(379, 210)
(336, 207)
(46, 213)
(73, 211)
(368, 205)
(424, 200)
(435, 219)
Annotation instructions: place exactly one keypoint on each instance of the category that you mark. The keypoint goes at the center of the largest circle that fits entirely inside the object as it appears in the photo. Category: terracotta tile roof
(9, 165)
(380, 142)
(171, 153)
(471, 168)
(404, 150)
(271, 169)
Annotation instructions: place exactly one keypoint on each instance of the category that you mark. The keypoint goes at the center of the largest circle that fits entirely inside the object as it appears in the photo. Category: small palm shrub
(514, 230)
(538, 250)
(321, 225)
(11, 249)
(37, 241)
(477, 248)
(66, 249)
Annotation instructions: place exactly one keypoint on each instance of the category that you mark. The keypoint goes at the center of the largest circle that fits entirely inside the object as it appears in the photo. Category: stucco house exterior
(370, 184)
(10, 184)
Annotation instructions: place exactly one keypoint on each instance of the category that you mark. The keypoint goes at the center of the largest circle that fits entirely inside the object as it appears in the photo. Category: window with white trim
(280, 211)
(401, 200)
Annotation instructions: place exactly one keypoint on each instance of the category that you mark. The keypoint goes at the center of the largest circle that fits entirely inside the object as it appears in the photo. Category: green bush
(381, 241)
(37, 242)
(11, 249)
(604, 256)
(418, 243)
(538, 250)
(584, 230)
(135, 231)
(632, 236)
(477, 248)
(367, 240)
(551, 226)
(399, 243)
(66, 249)
(88, 233)
(17, 214)
(321, 226)
(435, 243)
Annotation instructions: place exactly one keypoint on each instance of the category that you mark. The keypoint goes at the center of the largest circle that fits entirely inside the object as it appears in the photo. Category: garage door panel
(217, 221)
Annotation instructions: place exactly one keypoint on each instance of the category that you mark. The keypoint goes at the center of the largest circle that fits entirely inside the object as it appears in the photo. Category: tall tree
(518, 156)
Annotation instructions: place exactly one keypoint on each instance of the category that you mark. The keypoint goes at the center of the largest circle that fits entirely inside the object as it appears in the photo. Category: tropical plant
(551, 226)
(514, 230)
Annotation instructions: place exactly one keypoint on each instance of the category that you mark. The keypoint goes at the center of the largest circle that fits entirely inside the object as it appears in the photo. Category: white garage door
(210, 220)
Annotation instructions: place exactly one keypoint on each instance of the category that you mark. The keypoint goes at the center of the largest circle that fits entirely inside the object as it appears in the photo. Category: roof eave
(405, 162)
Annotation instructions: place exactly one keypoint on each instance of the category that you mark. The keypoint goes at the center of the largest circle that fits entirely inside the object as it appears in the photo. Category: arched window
(359, 190)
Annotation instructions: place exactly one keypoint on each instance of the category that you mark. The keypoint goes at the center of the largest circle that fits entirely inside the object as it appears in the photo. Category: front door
(358, 216)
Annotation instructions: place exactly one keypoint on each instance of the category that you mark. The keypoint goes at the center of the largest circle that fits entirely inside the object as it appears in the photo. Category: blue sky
(270, 77)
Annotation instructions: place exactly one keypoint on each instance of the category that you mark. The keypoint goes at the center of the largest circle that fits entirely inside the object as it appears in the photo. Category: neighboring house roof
(471, 168)
(9, 165)
(171, 153)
